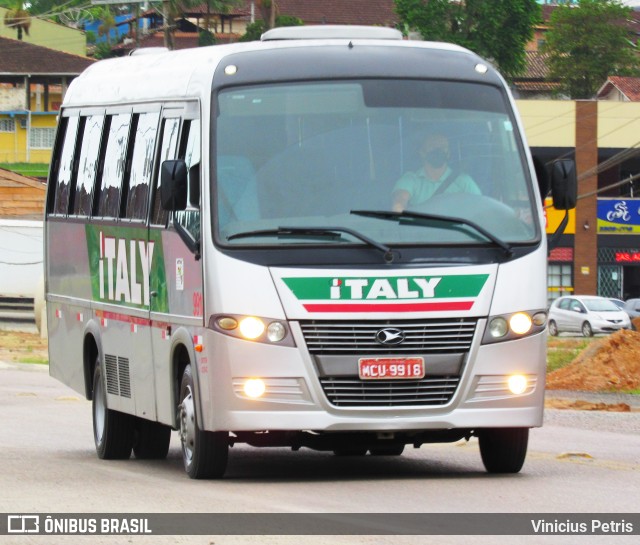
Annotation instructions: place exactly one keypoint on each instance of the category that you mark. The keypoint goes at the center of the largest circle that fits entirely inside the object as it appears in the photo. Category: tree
(17, 17)
(498, 30)
(108, 24)
(255, 30)
(586, 44)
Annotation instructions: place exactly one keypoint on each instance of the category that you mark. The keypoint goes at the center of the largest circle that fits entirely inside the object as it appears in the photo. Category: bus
(226, 255)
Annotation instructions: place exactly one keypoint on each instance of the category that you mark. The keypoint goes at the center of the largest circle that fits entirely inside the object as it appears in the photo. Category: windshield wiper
(399, 216)
(322, 232)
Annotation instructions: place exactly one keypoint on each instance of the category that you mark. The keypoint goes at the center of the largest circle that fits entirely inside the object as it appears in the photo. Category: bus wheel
(346, 451)
(204, 453)
(503, 450)
(387, 450)
(112, 430)
(151, 440)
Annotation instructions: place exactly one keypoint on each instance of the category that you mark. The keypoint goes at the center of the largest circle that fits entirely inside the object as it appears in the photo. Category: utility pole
(586, 237)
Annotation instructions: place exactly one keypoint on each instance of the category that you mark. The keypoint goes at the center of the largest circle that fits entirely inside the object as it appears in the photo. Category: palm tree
(108, 24)
(17, 17)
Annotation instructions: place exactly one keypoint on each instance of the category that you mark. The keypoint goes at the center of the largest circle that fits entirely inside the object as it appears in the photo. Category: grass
(561, 352)
(34, 359)
(38, 170)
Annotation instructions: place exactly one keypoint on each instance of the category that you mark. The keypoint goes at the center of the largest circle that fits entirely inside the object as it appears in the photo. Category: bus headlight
(498, 327)
(253, 328)
(520, 323)
(276, 332)
(514, 326)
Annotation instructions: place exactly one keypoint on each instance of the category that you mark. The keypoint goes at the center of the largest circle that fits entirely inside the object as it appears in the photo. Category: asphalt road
(579, 462)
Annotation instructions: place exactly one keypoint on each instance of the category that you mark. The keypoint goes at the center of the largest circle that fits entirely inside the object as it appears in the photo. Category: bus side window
(190, 218)
(88, 166)
(108, 197)
(168, 150)
(64, 174)
(141, 166)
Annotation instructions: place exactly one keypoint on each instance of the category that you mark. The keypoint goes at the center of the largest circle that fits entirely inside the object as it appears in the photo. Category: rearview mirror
(564, 184)
(173, 185)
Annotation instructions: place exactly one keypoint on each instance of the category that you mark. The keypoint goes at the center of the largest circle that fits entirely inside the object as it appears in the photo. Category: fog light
(518, 384)
(276, 332)
(520, 323)
(251, 328)
(498, 327)
(254, 387)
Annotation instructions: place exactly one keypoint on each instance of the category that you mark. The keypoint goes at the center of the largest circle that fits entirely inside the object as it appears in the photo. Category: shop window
(559, 281)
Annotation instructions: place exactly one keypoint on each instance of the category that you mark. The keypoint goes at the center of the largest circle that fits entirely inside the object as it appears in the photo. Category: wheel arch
(182, 354)
(91, 349)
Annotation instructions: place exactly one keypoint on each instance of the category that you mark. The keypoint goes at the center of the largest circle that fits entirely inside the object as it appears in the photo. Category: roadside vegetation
(35, 170)
(561, 351)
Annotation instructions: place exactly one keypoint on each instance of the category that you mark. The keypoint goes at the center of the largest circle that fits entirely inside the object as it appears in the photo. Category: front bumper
(294, 399)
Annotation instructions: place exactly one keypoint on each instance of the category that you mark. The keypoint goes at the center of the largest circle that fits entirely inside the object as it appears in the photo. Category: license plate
(390, 368)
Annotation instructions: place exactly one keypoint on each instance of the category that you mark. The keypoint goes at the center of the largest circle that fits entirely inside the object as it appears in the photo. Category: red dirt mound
(608, 364)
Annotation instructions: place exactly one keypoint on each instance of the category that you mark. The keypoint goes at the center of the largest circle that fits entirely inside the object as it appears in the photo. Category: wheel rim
(553, 328)
(187, 426)
(586, 330)
(99, 411)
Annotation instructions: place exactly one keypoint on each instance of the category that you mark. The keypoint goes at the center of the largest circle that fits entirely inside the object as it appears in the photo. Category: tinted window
(168, 149)
(114, 166)
(142, 166)
(87, 170)
(190, 218)
(65, 168)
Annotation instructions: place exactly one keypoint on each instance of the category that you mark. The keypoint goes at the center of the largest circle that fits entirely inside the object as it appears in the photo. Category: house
(21, 211)
(33, 81)
(21, 197)
(341, 12)
(48, 34)
(620, 89)
(534, 83)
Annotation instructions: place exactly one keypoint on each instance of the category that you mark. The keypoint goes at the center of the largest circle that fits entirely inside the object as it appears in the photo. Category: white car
(588, 314)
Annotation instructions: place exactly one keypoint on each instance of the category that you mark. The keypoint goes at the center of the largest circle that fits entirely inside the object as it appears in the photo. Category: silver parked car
(632, 308)
(587, 314)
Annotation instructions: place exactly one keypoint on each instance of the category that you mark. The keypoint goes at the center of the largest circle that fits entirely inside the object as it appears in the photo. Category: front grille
(353, 392)
(444, 336)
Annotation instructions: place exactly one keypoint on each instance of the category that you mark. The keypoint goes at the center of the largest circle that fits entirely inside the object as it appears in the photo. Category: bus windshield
(326, 155)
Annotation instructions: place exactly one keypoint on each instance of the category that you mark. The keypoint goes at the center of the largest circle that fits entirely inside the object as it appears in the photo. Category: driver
(433, 178)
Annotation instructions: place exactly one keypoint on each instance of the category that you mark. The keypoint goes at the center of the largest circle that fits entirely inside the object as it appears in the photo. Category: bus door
(176, 274)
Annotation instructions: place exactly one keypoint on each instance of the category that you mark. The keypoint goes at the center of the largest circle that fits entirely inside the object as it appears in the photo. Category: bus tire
(112, 430)
(151, 440)
(346, 451)
(503, 450)
(204, 453)
(387, 450)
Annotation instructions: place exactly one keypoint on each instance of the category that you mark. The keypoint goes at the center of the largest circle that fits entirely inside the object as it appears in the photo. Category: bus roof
(188, 73)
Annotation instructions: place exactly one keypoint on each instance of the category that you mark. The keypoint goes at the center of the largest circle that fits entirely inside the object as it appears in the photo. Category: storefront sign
(618, 216)
(627, 257)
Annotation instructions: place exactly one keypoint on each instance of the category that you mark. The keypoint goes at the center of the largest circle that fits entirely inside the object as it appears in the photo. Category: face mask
(437, 158)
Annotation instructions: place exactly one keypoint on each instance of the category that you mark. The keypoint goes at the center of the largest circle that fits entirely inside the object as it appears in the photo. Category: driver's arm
(400, 200)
